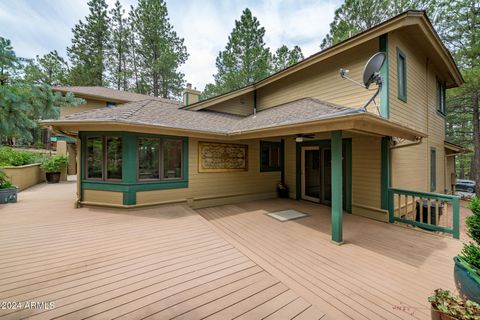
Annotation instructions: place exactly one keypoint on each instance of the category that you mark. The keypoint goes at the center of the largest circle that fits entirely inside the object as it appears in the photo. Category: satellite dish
(372, 68)
(371, 74)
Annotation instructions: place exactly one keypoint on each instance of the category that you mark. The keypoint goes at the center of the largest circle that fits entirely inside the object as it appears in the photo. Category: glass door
(311, 173)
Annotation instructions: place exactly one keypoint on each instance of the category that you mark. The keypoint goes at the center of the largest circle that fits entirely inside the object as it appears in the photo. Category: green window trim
(433, 169)
(104, 160)
(441, 97)
(129, 184)
(270, 146)
(402, 75)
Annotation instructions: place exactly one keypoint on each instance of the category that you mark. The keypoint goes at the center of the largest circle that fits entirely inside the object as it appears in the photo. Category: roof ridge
(133, 109)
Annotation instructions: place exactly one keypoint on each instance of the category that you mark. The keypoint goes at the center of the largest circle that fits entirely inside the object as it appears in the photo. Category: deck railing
(431, 211)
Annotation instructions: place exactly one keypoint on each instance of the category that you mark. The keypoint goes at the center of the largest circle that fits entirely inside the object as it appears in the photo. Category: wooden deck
(382, 271)
(157, 263)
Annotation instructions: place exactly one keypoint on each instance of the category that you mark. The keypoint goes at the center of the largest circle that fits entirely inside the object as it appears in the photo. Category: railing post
(456, 217)
(391, 208)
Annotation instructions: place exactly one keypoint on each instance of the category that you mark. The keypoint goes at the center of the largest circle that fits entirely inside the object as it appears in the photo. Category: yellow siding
(322, 81)
(89, 105)
(411, 165)
(103, 197)
(205, 189)
(242, 105)
(450, 177)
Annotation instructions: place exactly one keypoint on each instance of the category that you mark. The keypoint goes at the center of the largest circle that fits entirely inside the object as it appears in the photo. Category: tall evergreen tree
(245, 59)
(89, 45)
(9, 62)
(49, 69)
(285, 57)
(159, 50)
(355, 16)
(119, 49)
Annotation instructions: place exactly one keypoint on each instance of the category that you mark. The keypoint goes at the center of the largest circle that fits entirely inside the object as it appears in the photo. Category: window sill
(404, 99)
(441, 114)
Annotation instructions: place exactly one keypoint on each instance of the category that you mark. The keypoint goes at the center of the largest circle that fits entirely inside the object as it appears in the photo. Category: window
(104, 158)
(441, 97)
(160, 159)
(433, 169)
(402, 75)
(270, 156)
(111, 104)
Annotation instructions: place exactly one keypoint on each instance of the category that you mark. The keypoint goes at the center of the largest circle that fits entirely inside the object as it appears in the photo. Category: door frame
(347, 144)
(302, 172)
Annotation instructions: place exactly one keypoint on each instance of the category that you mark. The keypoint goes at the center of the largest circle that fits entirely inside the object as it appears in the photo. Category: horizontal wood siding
(206, 189)
(411, 165)
(242, 105)
(89, 105)
(322, 81)
(103, 197)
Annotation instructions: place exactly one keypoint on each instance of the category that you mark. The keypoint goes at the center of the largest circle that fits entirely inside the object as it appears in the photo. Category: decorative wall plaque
(222, 157)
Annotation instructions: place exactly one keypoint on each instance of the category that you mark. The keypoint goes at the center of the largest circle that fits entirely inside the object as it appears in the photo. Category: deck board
(100, 263)
(382, 271)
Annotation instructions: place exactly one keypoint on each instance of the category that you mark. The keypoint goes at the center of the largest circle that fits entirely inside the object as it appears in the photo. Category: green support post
(337, 201)
(456, 217)
(391, 208)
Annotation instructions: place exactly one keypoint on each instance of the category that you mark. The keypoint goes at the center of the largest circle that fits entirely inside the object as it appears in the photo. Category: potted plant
(282, 190)
(53, 167)
(8, 192)
(467, 263)
(445, 306)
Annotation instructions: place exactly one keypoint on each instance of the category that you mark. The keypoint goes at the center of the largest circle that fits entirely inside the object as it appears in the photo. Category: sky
(36, 27)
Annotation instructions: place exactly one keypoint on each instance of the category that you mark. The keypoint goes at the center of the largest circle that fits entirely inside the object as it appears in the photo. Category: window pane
(114, 158)
(401, 78)
(94, 157)
(172, 158)
(275, 157)
(265, 156)
(148, 158)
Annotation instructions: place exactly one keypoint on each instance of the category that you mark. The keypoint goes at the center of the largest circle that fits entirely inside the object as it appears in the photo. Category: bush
(54, 163)
(475, 205)
(471, 254)
(454, 306)
(12, 157)
(4, 181)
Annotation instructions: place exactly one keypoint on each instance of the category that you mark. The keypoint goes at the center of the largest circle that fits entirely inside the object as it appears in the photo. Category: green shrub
(473, 227)
(13, 157)
(454, 306)
(4, 180)
(471, 254)
(475, 205)
(54, 163)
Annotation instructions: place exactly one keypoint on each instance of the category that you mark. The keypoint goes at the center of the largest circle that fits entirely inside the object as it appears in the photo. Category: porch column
(337, 201)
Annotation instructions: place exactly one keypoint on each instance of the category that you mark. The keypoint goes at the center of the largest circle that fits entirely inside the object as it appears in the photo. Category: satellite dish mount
(371, 74)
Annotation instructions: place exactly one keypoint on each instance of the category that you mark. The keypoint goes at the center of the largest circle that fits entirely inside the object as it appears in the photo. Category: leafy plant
(454, 306)
(12, 157)
(471, 254)
(54, 163)
(4, 181)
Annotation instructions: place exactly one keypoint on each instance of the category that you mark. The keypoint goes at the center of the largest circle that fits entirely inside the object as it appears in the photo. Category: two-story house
(303, 126)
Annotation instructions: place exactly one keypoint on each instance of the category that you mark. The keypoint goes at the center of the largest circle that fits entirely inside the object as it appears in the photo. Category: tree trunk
(476, 142)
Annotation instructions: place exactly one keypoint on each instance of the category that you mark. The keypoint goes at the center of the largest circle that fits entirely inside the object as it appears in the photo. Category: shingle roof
(170, 115)
(109, 94)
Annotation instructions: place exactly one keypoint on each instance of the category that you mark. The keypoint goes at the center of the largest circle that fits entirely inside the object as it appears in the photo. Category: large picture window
(160, 159)
(104, 158)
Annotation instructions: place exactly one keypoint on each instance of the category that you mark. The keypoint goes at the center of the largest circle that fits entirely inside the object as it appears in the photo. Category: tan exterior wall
(450, 177)
(411, 165)
(209, 189)
(25, 176)
(322, 81)
(242, 105)
(89, 105)
(103, 197)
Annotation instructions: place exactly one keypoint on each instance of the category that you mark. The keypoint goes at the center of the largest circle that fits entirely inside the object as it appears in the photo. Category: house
(303, 126)
(95, 98)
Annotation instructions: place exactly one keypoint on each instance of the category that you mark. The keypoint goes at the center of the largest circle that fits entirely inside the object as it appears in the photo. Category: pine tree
(285, 57)
(119, 49)
(355, 16)
(9, 62)
(89, 45)
(159, 51)
(49, 69)
(245, 59)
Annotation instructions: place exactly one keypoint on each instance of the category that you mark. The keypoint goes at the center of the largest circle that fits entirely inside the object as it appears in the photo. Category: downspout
(419, 140)
(255, 102)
